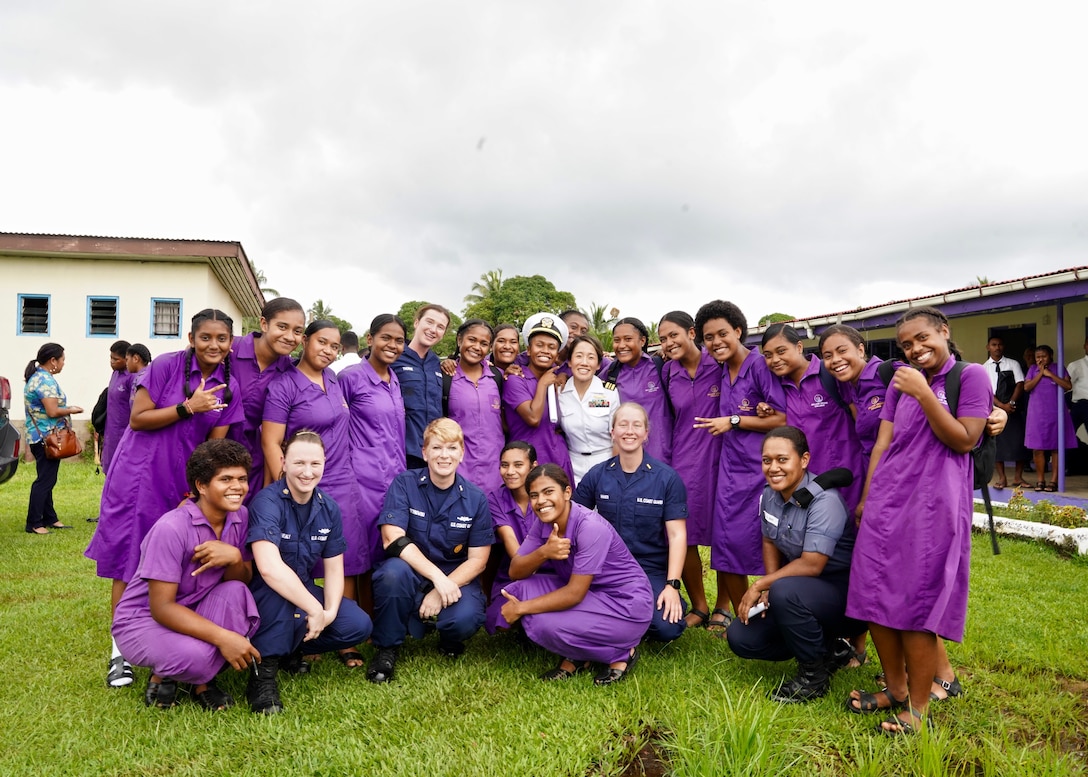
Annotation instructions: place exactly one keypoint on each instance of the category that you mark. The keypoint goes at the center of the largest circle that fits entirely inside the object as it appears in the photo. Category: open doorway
(1017, 338)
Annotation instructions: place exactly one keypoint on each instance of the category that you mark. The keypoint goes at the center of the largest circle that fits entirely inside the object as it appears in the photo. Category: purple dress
(1041, 426)
(167, 555)
(642, 384)
(695, 453)
(377, 440)
(549, 443)
(505, 512)
(147, 478)
(245, 367)
(478, 409)
(867, 397)
(118, 410)
(911, 563)
(618, 606)
(299, 403)
(736, 540)
(829, 428)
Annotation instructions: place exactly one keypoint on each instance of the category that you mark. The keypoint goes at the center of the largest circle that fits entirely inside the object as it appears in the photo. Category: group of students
(596, 482)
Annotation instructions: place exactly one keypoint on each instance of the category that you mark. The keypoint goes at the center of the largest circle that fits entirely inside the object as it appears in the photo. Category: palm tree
(489, 284)
(262, 281)
(600, 319)
(318, 311)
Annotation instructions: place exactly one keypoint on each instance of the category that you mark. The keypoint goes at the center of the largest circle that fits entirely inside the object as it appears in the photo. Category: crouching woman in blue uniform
(292, 524)
(808, 539)
(647, 503)
(437, 533)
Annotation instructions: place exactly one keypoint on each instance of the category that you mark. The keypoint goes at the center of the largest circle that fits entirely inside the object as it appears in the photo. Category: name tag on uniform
(771, 519)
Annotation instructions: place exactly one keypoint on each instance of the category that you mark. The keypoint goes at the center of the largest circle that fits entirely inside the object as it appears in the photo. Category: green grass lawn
(701, 710)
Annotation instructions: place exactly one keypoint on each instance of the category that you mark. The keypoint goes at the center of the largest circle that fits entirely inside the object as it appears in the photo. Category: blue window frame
(165, 317)
(34, 314)
(102, 316)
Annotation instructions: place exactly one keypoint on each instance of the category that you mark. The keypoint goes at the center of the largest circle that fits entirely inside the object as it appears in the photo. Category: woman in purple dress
(693, 380)
(183, 399)
(597, 605)
(638, 378)
(512, 517)
(376, 407)
(309, 397)
(117, 402)
(736, 549)
(1045, 383)
(475, 402)
(820, 413)
(188, 612)
(924, 533)
(258, 358)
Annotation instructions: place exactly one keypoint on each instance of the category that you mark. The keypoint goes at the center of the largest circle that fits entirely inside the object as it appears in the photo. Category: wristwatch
(674, 583)
(734, 421)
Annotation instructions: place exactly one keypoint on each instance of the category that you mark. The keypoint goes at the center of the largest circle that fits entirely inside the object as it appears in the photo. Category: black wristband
(397, 546)
(183, 411)
(426, 587)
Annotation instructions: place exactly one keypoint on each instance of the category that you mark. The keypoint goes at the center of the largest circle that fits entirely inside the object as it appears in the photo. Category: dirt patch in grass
(1073, 741)
(648, 762)
(642, 754)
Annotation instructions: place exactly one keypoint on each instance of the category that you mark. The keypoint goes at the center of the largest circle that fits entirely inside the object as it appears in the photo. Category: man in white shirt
(1078, 374)
(1007, 382)
(349, 342)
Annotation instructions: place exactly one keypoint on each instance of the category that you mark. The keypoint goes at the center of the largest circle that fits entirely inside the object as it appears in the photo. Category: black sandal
(610, 676)
(723, 623)
(870, 702)
(951, 689)
(902, 727)
(351, 655)
(213, 698)
(162, 694)
(559, 673)
(704, 618)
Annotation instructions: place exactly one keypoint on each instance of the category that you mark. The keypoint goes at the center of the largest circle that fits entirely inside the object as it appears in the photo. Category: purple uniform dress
(695, 453)
(118, 410)
(736, 543)
(641, 383)
(550, 445)
(867, 397)
(505, 512)
(166, 555)
(1041, 429)
(618, 606)
(377, 440)
(911, 563)
(829, 427)
(478, 409)
(245, 367)
(299, 403)
(147, 479)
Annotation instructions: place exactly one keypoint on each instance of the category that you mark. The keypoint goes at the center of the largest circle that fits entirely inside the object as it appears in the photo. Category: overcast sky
(801, 157)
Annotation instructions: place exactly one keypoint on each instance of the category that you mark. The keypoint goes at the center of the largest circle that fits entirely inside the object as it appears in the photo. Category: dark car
(9, 436)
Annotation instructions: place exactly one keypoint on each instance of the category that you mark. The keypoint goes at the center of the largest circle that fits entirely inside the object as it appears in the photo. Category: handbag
(61, 442)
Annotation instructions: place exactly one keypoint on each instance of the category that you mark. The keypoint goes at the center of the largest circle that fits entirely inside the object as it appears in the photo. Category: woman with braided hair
(183, 399)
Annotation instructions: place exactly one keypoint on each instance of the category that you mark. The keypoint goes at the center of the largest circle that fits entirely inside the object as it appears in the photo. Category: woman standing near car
(46, 409)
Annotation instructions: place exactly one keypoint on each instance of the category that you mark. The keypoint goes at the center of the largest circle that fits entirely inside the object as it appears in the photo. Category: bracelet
(183, 410)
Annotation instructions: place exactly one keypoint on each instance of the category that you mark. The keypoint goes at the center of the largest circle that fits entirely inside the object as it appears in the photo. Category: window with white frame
(34, 314)
(166, 318)
(102, 316)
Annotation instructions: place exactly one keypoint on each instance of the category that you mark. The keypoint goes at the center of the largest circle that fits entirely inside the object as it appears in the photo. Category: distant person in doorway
(1007, 382)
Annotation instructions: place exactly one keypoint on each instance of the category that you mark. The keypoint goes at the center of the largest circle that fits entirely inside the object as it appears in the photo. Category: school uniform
(867, 397)
(443, 524)
(736, 544)
(504, 512)
(695, 452)
(1045, 411)
(376, 429)
(641, 383)
(551, 447)
(587, 424)
(297, 402)
(829, 427)
(147, 476)
(617, 608)
(638, 505)
(303, 534)
(166, 554)
(477, 408)
(421, 387)
(917, 519)
(806, 613)
(254, 384)
(118, 410)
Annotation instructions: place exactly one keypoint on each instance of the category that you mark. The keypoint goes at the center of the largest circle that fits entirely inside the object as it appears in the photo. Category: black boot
(813, 680)
(262, 691)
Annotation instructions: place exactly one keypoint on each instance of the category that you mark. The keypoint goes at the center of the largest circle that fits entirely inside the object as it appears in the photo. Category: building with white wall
(85, 293)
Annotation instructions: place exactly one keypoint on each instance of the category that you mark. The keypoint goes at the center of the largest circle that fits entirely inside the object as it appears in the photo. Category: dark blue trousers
(41, 512)
(283, 625)
(396, 607)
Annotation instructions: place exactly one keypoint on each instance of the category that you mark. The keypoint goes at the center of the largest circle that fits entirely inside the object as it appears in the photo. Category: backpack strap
(447, 381)
(613, 375)
(885, 370)
(831, 386)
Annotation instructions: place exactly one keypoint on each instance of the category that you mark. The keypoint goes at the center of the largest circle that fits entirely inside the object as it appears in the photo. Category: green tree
(447, 345)
(262, 281)
(518, 298)
(601, 321)
(319, 310)
(490, 283)
(774, 318)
